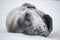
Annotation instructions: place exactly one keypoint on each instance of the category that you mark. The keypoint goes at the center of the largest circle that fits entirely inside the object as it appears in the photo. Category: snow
(19, 36)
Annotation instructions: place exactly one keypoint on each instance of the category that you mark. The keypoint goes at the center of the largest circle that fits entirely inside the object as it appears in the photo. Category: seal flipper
(48, 21)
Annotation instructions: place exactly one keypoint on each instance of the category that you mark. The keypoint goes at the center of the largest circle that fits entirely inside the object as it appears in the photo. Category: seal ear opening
(48, 21)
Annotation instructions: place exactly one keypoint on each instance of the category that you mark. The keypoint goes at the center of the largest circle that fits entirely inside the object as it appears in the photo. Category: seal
(29, 20)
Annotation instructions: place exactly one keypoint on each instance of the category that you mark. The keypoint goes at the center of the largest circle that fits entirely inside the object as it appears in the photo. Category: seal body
(28, 20)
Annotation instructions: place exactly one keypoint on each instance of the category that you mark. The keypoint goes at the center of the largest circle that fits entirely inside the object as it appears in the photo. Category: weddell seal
(29, 20)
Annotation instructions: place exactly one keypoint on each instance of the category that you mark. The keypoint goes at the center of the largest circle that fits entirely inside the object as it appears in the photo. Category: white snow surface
(49, 7)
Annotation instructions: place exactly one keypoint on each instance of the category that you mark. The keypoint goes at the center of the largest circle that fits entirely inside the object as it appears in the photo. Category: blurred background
(51, 7)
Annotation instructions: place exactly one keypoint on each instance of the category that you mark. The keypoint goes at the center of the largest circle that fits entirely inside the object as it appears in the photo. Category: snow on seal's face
(26, 20)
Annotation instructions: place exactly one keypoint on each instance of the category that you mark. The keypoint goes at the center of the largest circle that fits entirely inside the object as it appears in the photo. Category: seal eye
(19, 23)
(27, 17)
(31, 7)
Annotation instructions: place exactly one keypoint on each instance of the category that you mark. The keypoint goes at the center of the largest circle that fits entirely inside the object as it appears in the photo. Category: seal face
(29, 20)
(25, 23)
